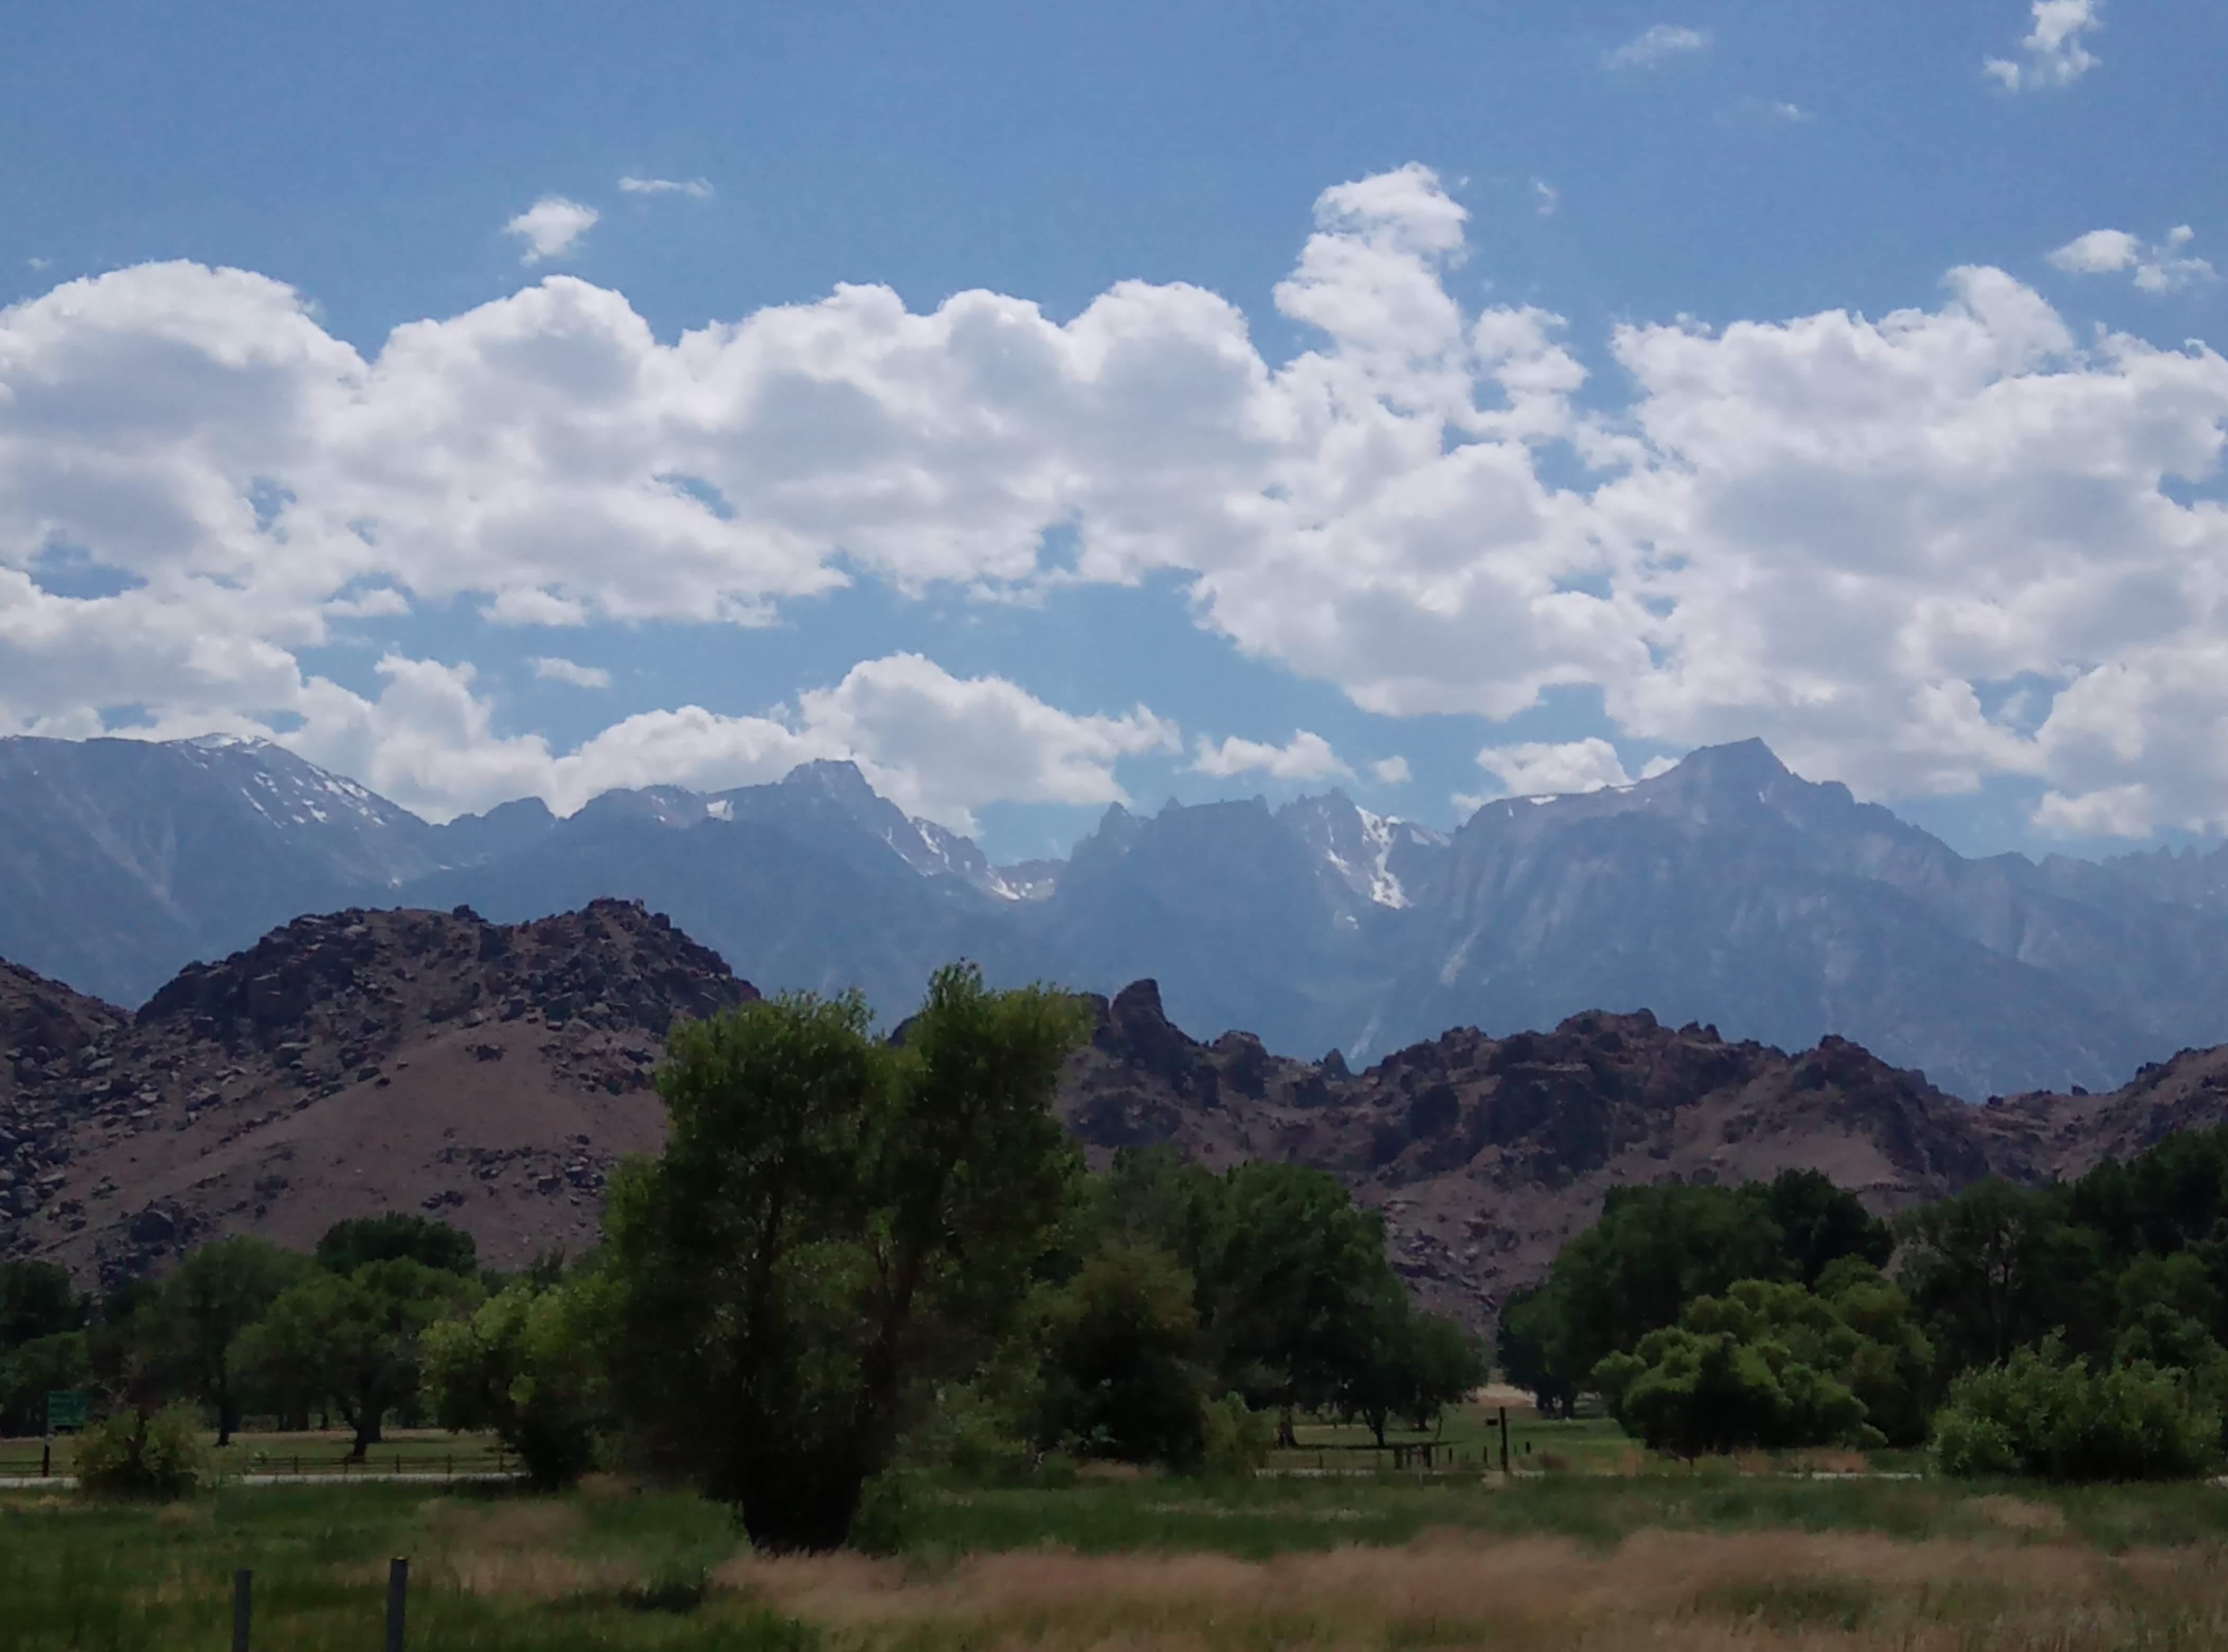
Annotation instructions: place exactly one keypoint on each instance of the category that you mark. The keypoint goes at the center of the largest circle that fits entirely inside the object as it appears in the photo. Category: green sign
(65, 1409)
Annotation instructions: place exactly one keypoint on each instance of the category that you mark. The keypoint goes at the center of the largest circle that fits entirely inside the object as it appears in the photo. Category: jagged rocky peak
(1377, 857)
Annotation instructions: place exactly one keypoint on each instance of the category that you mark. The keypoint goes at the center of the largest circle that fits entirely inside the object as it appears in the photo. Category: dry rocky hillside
(348, 1065)
(492, 1074)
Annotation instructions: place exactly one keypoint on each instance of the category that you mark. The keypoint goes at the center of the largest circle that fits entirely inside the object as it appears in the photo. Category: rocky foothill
(492, 1075)
(346, 1063)
(1485, 1154)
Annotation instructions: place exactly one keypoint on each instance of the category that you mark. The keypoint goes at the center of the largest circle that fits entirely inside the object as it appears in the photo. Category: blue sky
(1568, 385)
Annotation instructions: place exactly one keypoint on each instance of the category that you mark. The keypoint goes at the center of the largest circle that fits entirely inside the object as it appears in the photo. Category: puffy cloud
(937, 745)
(1391, 771)
(1547, 196)
(2053, 54)
(2098, 251)
(1914, 551)
(1539, 770)
(2163, 267)
(1306, 756)
(697, 189)
(551, 227)
(552, 669)
(1902, 550)
(1655, 44)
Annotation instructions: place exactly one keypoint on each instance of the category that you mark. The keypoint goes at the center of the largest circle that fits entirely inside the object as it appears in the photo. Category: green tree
(1653, 1251)
(216, 1293)
(363, 1331)
(1821, 1224)
(36, 1300)
(43, 1365)
(833, 1221)
(1412, 1367)
(397, 1236)
(1290, 1273)
(1528, 1344)
(1998, 1267)
(526, 1363)
(1122, 1379)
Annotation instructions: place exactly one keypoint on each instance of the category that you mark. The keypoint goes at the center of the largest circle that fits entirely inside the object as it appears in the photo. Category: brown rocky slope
(354, 1063)
(492, 1074)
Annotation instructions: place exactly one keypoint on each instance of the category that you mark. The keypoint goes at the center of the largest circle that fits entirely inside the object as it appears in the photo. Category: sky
(1053, 407)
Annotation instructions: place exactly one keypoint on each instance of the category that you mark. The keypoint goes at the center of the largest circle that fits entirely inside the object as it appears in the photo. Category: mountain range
(360, 1062)
(1726, 890)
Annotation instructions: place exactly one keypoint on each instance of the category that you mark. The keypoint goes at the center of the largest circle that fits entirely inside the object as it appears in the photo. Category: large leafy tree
(1997, 1268)
(218, 1292)
(1290, 1277)
(1528, 1346)
(833, 1220)
(1412, 1368)
(355, 1338)
(1821, 1224)
(1121, 1375)
(1653, 1251)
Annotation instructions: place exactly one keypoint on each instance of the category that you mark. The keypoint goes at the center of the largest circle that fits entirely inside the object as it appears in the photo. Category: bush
(2042, 1414)
(888, 1513)
(1237, 1439)
(143, 1454)
(523, 1364)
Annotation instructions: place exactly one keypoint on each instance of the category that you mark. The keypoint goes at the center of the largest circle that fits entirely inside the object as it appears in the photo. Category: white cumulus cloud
(939, 745)
(1306, 756)
(551, 669)
(2162, 266)
(1391, 771)
(551, 227)
(1656, 42)
(1915, 551)
(1536, 769)
(2054, 52)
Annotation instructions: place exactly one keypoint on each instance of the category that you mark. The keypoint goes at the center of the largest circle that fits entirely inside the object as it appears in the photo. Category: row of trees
(853, 1252)
(243, 1324)
(2076, 1329)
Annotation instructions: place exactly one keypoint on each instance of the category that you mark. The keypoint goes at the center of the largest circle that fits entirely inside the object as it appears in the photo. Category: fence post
(398, 1586)
(1504, 1442)
(243, 1606)
(46, 1456)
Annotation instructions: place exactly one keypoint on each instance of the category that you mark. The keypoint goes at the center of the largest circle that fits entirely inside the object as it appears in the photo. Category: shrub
(2042, 1413)
(523, 1364)
(1237, 1439)
(143, 1454)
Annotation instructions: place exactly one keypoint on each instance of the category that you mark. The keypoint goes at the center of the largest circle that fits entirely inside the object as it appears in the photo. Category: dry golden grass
(1658, 1590)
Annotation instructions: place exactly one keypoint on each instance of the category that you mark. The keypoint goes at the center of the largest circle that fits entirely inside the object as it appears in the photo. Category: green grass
(1266, 1517)
(615, 1566)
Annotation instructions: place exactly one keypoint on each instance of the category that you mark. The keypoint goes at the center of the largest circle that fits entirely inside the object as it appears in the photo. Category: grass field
(1694, 1559)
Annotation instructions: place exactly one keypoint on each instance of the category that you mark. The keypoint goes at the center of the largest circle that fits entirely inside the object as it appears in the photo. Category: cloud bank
(1915, 551)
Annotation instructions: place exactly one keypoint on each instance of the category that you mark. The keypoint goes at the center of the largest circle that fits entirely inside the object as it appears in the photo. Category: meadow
(1659, 1556)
